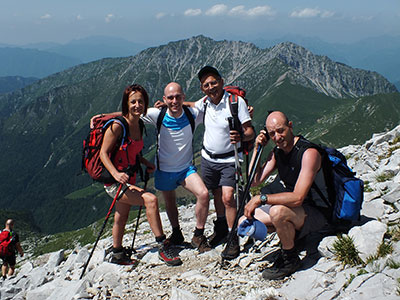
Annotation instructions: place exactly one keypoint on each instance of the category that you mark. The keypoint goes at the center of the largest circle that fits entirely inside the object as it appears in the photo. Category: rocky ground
(203, 276)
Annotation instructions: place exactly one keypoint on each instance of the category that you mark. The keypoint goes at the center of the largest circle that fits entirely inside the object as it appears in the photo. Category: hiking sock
(198, 232)
(289, 252)
(160, 239)
(176, 229)
(116, 250)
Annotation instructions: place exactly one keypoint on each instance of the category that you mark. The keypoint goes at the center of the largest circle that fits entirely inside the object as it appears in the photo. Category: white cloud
(192, 12)
(252, 12)
(79, 18)
(160, 15)
(312, 13)
(305, 13)
(260, 11)
(109, 18)
(237, 10)
(217, 10)
(46, 16)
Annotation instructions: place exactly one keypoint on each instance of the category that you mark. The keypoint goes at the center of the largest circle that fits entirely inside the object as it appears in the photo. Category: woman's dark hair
(125, 98)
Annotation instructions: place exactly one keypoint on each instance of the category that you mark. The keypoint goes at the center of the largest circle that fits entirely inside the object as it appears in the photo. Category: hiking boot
(284, 265)
(200, 243)
(176, 238)
(220, 233)
(232, 248)
(121, 258)
(168, 254)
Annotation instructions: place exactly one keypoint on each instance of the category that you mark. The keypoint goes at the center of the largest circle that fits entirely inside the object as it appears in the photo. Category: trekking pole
(146, 179)
(244, 196)
(102, 228)
(238, 171)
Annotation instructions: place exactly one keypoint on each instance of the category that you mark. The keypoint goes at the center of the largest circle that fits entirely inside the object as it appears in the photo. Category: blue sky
(153, 22)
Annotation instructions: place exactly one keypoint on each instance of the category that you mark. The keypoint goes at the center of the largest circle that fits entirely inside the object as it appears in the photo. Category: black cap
(208, 70)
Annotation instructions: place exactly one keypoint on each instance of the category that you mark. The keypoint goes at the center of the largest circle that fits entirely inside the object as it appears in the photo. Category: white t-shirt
(175, 140)
(216, 134)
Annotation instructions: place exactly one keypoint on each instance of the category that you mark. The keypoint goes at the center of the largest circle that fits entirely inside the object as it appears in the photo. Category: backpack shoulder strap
(189, 115)
(160, 118)
(192, 125)
(234, 108)
(233, 104)
(125, 126)
(205, 108)
(142, 128)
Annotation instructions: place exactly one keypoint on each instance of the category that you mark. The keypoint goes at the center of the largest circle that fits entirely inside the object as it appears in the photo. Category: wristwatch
(264, 199)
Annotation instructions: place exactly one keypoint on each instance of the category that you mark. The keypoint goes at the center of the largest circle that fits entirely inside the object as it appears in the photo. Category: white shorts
(112, 190)
(265, 208)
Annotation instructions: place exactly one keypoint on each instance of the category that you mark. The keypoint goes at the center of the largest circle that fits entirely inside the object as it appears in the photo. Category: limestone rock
(368, 237)
(205, 276)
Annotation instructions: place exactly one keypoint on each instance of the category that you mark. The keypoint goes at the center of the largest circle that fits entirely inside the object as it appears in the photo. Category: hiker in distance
(9, 257)
(135, 102)
(293, 210)
(175, 124)
(218, 155)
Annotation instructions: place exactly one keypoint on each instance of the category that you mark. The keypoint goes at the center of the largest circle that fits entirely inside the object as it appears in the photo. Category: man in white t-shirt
(218, 160)
(174, 160)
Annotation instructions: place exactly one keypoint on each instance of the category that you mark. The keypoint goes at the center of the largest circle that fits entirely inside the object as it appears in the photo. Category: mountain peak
(328, 77)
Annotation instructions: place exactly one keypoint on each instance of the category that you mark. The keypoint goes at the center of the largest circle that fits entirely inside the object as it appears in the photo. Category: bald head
(173, 87)
(9, 223)
(277, 117)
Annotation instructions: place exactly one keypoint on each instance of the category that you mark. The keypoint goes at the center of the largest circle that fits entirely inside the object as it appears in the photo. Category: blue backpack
(346, 192)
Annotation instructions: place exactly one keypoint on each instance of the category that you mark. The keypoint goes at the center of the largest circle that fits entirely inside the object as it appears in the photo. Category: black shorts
(9, 260)
(315, 219)
(216, 175)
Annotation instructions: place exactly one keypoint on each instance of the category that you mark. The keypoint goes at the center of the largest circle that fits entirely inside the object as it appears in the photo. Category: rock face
(326, 76)
(244, 62)
(202, 276)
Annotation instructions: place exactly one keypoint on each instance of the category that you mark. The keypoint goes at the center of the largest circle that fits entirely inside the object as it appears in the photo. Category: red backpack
(91, 162)
(234, 92)
(5, 240)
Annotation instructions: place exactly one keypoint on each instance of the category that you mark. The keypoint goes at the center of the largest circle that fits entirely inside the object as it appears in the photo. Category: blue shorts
(169, 181)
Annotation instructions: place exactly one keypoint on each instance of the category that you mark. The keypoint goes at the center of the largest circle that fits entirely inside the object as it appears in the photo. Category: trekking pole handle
(266, 133)
(231, 123)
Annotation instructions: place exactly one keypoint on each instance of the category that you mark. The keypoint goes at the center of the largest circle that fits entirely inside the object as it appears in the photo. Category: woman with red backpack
(119, 163)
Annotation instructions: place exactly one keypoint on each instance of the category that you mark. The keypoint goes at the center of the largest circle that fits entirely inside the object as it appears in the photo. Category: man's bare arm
(310, 165)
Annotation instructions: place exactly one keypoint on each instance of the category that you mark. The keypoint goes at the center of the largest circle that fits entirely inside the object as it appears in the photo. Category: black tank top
(289, 166)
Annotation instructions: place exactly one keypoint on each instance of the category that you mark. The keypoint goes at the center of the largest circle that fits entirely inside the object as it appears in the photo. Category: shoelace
(168, 251)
